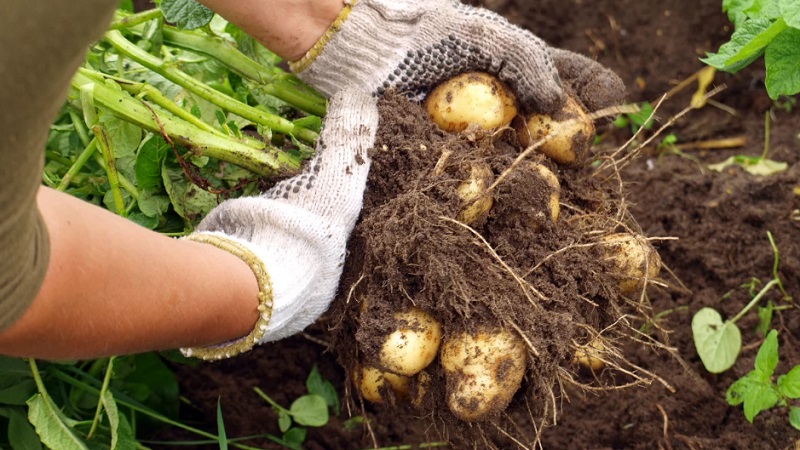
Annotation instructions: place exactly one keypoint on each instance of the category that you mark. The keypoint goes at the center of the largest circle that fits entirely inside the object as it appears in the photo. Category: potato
(570, 130)
(471, 98)
(472, 190)
(589, 356)
(483, 370)
(548, 176)
(413, 344)
(634, 259)
(370, 382)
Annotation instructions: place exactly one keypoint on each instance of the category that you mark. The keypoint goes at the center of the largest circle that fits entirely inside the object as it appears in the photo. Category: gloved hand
(294, 236)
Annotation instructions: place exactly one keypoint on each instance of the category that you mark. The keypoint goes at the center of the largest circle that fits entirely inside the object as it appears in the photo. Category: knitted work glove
(411, 46)
(294, 235)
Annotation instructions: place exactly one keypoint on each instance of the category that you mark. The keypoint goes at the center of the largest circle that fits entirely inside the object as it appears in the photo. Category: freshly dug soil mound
(550, 282)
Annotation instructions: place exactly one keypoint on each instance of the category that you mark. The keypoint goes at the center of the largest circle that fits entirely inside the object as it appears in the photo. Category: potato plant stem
(266, 160)
(104, 142)
(168, 71)
(755, 300)
(103, 390)
(76, 167)
(136, 19)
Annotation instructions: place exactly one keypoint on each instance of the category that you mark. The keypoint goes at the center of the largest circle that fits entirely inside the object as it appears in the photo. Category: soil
(714, 228)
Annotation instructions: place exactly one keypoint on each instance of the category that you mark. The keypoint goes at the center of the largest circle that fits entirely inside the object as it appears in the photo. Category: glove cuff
(265, 300)
(302, 63)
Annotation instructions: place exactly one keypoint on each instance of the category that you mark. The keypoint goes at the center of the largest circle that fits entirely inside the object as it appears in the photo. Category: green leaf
(782, 60)
(51, 426)
(186, 14)
(324, 388)
(19, 393)
(223, 438)
(145, 378)
(284, 421)
(151, 223)
(717, 343)
(790, 11)
(736, 392)
(354, 423)
(148, 162)
(759, 397)
(754, 165)
(736, 10)
(767, 356)
(21, 434)
(152, 203)
(121, 432)
(14, 366)
(765, 317)
(757, 45)
(310, 410)
(743, 35)
(789, 384)
(124, 137)
(295, 437)
(794, 417)
(188, 200)
(764, 8)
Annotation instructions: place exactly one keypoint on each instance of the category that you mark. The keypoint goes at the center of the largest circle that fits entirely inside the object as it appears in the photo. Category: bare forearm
(287, 27)
(113, 287)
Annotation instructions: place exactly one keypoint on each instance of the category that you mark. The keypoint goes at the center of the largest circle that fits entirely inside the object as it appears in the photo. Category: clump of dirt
(549, 282)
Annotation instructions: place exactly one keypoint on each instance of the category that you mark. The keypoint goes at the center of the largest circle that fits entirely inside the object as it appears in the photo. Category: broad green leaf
(310, 410)
(767, 356)
(764, 8)
(14, 366)
(735, 393)
(790, 11)
(760, 397)
(121, 432)
(324, 388)
(765, 317)
(124, 136)
(295, 437)
(789, 384)
(19, 393)
(186, 14)
(782, 60)
(717, 343)
(146, 378)
(151, 223)
(21, 435)
(188, 200)
(223, 438)
(53, 429)
(743, 35)
(794, 417)
(754, 165)
(736, 10)
(757, 45)
(148, 162)
(284, 421)
(152, 203)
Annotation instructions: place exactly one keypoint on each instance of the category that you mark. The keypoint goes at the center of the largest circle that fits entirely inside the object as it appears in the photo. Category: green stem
(276, 123)
(136, 19)
(267, 160)
(299, 96)
(775, 276)
(123, 181)
(269, 400)
(103, 390)
(766, 135)
(754, 301)
(37, 376)
(104, 142)
(80, 127)
(77, 165)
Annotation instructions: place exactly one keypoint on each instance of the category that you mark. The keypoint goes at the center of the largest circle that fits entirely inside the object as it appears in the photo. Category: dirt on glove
(547, 281)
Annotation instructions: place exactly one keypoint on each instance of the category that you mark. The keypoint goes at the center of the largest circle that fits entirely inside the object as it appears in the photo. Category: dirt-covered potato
(471, 98)
(413, 343)
(570, 133)
(370, 382)
(550, 178)
(634, 259)
(483, 370)
(590, 356)
(472, 192)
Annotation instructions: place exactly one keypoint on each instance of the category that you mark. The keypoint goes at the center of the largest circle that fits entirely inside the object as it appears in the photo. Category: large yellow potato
(413, 344)
(483, 370)
(471, 98)
(370, 382)
(569, 131)
(634, 259)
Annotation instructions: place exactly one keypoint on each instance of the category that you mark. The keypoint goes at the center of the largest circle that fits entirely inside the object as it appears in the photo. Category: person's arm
(113, 287)
(288, 28)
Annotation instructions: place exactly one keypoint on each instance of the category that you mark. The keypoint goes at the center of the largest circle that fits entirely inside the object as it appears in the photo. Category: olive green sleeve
(43, 43)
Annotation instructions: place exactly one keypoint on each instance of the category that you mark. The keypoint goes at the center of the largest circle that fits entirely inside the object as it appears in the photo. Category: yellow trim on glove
(265, 300)
(302, 63)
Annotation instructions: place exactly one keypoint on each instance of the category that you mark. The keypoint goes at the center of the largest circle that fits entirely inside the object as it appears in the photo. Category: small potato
(570, 131)
(413, 344)
(589, 356)
(370, 381)
(483, 370)
(546, 174)
(471, 98)
(471, 191)
(634, 258)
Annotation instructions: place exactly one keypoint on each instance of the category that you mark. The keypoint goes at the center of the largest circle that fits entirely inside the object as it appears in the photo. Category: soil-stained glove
(412, 45)
(294, 235)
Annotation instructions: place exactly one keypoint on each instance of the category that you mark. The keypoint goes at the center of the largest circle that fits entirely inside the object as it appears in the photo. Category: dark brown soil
(720, 220)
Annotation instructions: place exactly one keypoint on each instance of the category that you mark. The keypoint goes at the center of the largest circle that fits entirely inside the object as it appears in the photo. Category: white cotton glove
(299, 228)
(412, 45)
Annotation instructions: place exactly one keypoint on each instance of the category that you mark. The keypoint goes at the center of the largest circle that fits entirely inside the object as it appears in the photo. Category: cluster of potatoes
(484, 367)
